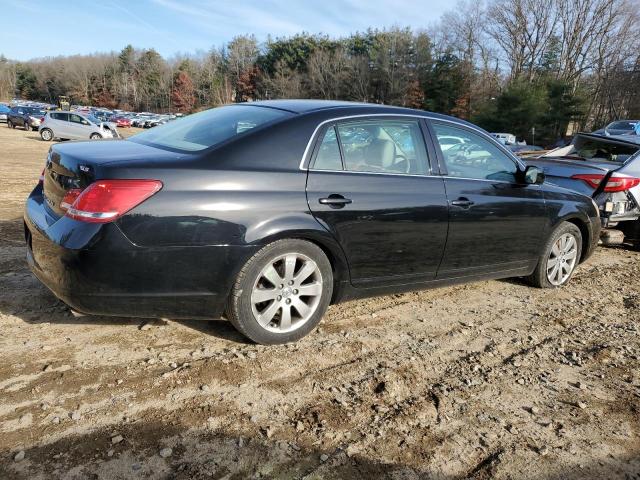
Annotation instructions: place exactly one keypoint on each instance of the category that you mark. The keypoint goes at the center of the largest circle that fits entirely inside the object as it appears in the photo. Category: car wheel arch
(585, 232)
(326, 243)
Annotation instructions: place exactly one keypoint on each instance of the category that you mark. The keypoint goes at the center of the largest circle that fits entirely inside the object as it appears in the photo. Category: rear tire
(559, 259)
(46, 134)
(281, 293)
(27, 127)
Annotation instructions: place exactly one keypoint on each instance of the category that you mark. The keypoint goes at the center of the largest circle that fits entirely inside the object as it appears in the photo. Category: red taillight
(106, 200)
(616, 183)
(593, 180)
(620, 183)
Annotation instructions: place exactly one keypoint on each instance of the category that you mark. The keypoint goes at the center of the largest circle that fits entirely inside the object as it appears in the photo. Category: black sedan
(268, 212)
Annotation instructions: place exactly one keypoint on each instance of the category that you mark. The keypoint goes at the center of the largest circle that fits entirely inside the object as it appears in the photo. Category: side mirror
(533, 175)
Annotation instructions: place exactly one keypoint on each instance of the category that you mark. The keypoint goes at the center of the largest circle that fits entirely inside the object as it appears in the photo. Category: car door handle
(462, 202)
(335, 201)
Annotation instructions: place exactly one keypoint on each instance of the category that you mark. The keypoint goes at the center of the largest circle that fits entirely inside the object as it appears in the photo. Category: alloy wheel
(562, 259)
(286, 293)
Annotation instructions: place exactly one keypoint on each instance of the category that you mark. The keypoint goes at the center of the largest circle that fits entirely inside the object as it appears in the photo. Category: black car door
(371, 185)
(496, 221)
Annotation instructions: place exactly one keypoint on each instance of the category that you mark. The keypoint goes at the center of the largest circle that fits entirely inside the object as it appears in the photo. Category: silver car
(75, 126)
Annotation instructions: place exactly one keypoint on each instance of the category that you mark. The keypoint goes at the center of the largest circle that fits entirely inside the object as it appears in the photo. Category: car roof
(305, 106)
(350, 108)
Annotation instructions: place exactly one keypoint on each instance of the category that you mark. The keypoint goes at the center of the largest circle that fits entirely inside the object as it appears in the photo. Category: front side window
(75, 118)
(383, 146)
(475, 157)
(211, 127)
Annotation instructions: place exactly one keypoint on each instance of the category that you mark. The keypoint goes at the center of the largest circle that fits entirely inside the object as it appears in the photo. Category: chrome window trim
(488, 180)
(424, 117)
(418, 175)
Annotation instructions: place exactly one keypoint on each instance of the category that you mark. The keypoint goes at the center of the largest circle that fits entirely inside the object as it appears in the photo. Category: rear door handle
(335, 201)
(462, 202)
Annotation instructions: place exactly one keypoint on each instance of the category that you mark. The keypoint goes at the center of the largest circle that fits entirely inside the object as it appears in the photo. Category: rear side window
(328, 157)
(211, 127)
(383, 146)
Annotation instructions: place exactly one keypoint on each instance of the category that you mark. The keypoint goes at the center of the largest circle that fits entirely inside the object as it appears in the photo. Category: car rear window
(622, 125)
(211, 127)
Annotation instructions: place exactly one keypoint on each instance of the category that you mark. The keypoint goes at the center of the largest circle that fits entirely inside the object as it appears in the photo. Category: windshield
(211, 127)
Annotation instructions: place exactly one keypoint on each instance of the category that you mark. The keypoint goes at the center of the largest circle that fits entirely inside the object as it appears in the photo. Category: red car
(121, 121)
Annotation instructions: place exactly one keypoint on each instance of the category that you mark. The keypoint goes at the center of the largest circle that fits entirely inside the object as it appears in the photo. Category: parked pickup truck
(608, 170)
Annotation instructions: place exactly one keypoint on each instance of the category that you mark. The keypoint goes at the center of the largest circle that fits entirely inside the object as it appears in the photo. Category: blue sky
(50, 28)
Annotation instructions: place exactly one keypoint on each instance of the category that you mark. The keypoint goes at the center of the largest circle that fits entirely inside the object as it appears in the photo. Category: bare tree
(284, 83)
(326, 71)
(523, 30)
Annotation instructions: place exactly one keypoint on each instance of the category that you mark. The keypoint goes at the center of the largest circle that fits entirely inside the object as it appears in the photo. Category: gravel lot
(489, 380)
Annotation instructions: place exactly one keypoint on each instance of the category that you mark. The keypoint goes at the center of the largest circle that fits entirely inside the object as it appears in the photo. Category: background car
(120, 121)
(446, 142)
(4, 111)
(608, 170)
(25, 117)
(75, 126)
(265, 213)
(505, 138)
(618, 127)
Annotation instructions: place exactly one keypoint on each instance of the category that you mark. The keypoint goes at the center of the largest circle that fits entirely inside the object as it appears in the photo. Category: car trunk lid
(74, 166)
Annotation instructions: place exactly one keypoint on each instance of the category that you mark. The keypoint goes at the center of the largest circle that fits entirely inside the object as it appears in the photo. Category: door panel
(75, 129)
(496, 221)
(369, 186)
(393, 231)
(503, 227)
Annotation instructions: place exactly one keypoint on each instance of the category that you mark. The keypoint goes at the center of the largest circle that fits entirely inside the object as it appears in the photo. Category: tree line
(508, 65)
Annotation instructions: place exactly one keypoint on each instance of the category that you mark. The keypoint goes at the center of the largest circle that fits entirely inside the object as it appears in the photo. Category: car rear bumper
(95, 269)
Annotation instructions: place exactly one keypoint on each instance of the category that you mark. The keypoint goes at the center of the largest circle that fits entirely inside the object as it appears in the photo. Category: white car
(505, 138)
(447, 141)
(75, 126)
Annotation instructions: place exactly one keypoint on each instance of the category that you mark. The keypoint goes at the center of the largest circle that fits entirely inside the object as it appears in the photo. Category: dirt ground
(488, 380)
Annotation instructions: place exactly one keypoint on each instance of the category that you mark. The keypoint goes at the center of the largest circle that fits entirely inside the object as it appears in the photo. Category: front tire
(10, 124)
(46, 134)
(95, 136)
(281, 293)
(560, 257)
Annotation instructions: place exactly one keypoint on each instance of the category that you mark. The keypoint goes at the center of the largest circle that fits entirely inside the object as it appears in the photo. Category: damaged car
(608, 170)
